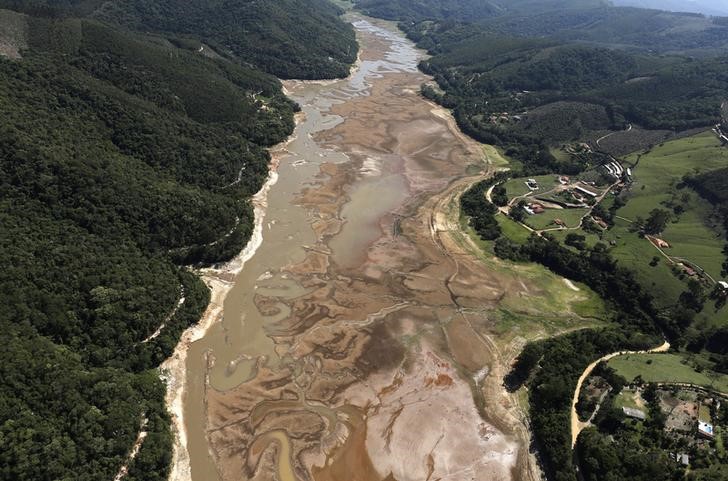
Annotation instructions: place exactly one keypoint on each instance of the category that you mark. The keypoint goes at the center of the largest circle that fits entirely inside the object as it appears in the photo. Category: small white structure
(682, 458)
(634, 413)
(723, 285)
(705, 430)
(586, 191)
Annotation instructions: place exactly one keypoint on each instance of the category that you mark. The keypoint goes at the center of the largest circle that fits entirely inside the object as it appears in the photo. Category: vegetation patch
(667, 368)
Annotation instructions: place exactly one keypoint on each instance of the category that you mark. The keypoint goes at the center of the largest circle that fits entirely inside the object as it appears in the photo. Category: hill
(470, 10)
(706, 7)
(288, 38)
(125, 157)
(498, 85)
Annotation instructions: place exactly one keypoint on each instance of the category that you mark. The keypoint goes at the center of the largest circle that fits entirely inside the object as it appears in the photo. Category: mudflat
(356, 343)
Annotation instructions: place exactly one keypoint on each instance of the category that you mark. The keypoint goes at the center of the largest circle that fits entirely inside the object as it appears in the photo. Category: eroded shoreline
(220, 281)
(360, 337)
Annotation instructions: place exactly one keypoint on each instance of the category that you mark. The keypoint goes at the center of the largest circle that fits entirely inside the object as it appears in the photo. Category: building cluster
(615, 170)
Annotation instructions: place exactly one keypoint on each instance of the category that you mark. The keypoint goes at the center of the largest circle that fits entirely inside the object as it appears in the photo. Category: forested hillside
(469, 10)
(430, 9)
(498, 86)
(288, 38)
(586, 21)
(124, 158)
(534, 74)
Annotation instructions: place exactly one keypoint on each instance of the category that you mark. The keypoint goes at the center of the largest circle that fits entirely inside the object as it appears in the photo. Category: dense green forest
(518, 92)
(588, 21)
(465, 9)
(124, 158)
(288, 38)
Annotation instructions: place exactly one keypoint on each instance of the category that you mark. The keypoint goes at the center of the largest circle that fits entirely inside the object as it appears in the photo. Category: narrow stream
(334, 326)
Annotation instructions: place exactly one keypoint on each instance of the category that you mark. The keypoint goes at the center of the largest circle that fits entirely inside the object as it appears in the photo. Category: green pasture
(571, 217)
(667, 368)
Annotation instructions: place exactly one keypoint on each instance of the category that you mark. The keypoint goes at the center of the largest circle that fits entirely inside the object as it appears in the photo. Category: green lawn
(512, 229)
(517, 187)
(591, 239)
(545, 221)
(636, 253)
(659, 171)
(496, 157)
(666, 368)
(627, 399)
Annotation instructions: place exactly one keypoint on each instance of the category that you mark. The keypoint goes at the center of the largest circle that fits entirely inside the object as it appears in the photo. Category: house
(532, 184)
(537, 208)
(564, 180)
(634, 413)
(705, 430)
(689, 270)
(586, 191)
(723, 285)
(577, 197)
(682, 459)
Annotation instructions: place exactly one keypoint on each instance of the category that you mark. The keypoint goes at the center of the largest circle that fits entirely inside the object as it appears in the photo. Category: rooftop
(705, 428)
(634, 413)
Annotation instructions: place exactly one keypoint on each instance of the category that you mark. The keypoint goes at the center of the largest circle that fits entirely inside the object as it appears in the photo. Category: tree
(577, 241)
(518, 213)
(657, 221)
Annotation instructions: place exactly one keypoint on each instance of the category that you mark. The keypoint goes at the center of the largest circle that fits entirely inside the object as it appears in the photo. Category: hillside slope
(124, 157)
(288, 38)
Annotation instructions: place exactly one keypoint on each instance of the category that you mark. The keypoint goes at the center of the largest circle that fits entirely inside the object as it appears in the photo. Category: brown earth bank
(370, 353)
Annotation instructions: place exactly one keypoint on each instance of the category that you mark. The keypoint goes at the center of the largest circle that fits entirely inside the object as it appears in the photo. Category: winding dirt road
(578, 426)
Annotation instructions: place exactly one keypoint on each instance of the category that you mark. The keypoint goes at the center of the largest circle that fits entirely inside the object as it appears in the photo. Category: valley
(364, 310)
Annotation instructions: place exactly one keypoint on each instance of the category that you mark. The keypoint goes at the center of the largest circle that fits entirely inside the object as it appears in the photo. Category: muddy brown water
(353, 343)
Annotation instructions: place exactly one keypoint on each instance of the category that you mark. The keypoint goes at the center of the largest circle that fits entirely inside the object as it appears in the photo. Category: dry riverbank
(360, 341)
(219, 280)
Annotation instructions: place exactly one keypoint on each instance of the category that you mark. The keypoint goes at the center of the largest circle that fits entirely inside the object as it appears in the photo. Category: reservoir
(352, 345)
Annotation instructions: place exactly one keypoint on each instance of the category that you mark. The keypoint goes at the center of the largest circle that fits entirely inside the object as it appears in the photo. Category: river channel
(353, 344)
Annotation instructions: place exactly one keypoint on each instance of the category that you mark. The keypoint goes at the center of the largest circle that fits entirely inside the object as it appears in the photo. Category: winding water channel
(352, 345)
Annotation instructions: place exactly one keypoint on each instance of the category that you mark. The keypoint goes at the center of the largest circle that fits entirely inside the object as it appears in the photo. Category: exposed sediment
(356, 344)
(220, 281)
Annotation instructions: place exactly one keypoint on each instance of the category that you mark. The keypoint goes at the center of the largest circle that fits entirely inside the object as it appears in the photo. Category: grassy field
(517, 187)
(546, 220)
(549, 307)
(496, 157)
(629, 399)
(512, 229)
(660, 170)
(692, 235)
(591, 239)
(666, 368)
(657, 176)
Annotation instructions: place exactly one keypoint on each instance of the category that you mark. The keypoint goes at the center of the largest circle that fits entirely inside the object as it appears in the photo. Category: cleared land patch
(666, 368)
